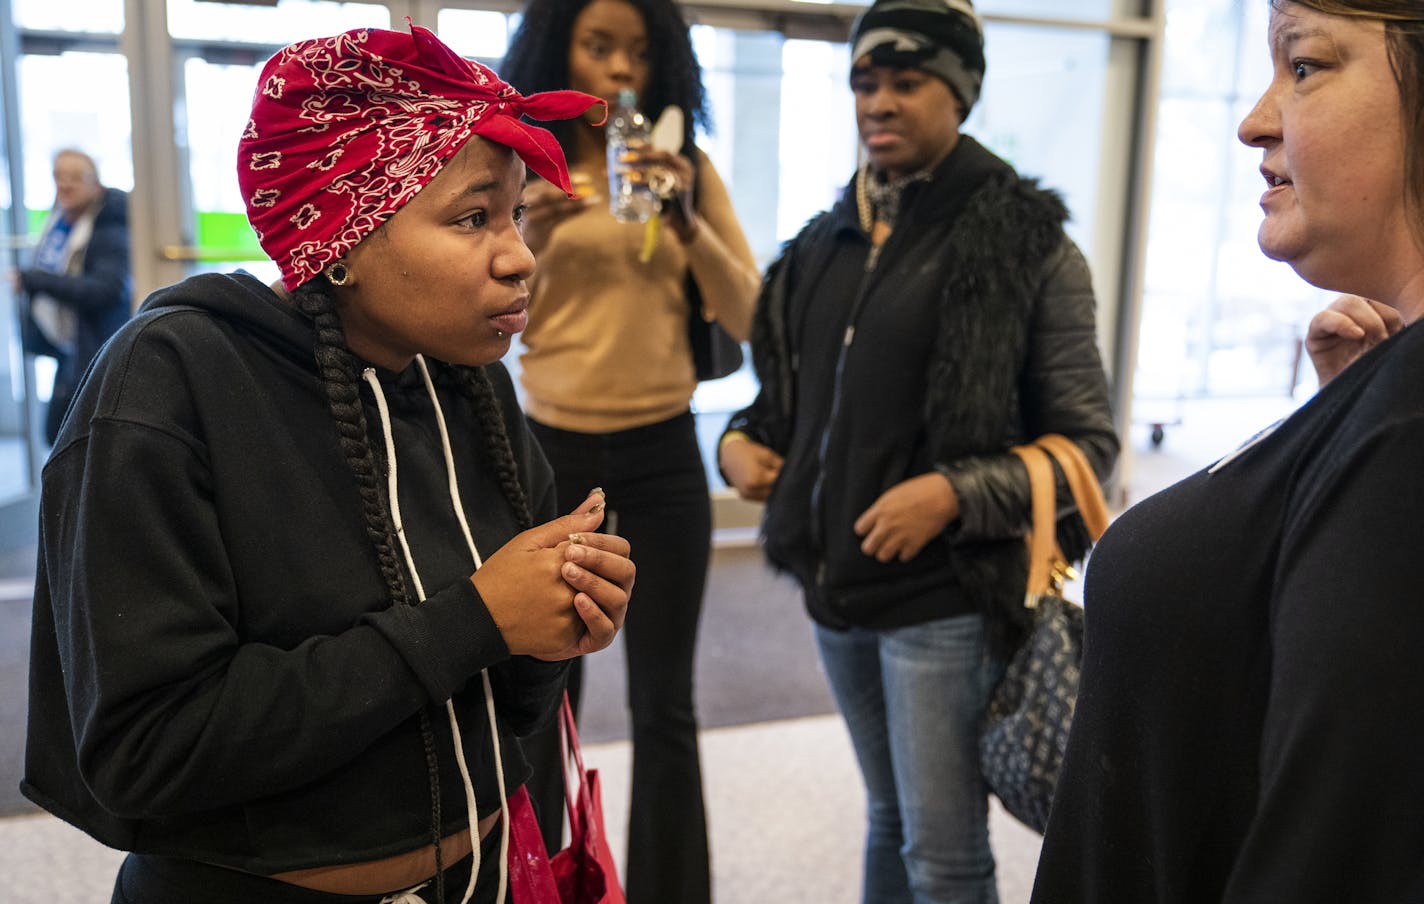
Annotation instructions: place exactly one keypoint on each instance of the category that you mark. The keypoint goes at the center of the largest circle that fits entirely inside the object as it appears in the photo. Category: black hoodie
(216, 670)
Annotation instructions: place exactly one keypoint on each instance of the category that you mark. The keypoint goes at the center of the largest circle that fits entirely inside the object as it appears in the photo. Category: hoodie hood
(243, 300)
(113, 209)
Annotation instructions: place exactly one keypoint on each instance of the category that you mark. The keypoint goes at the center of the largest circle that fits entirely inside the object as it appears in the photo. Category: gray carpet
(756, 657)
(14, 663)
(756, 662)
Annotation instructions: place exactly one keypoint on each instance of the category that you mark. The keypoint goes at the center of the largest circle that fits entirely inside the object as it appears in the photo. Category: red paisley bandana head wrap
(347, 129)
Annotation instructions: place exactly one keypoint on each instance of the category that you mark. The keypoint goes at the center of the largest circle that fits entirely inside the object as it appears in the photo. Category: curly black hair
(538, 60)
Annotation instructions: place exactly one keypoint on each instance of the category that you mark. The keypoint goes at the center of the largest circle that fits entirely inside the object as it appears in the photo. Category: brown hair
(1404, 39)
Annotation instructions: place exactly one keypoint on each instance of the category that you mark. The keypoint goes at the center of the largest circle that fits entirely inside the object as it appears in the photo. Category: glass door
(18, 453)
(218, 51)
(65, 85)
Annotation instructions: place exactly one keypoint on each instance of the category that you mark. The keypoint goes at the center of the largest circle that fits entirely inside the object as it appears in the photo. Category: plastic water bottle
(628, 130)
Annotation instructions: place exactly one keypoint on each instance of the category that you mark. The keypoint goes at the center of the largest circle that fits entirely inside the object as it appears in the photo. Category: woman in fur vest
(905, 340)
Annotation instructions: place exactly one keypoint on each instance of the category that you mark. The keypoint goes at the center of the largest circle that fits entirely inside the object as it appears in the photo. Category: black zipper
(818, 517)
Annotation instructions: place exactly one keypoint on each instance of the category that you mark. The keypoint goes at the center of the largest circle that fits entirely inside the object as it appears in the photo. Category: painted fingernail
(577, 539)
(598, 490)
(595, 508)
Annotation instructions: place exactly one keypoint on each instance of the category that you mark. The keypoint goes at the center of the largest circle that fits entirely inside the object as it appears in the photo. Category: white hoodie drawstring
(369, 375)
(408, 896)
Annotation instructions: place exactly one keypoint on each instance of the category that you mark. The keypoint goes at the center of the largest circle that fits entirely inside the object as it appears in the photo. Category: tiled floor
(784, 807)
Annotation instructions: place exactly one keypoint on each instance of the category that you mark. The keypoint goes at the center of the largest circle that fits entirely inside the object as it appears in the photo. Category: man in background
(78, 286)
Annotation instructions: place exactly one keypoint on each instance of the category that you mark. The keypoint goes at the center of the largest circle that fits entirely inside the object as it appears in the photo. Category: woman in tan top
(608, 379)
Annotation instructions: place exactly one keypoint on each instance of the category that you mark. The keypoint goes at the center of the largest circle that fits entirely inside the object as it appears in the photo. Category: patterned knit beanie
(942, 37)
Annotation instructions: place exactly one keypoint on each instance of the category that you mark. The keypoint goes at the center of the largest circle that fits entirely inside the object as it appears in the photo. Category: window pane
(220, 229)
(14, 446)
(95, 16)
(73, 100)
(818, 146)
(78, 100)
(1054, 9)
(1218, 318)
(742, 73)
(288, 21)
(474, 33)
(1041, 109)
(1057, 9)
(1193, 61)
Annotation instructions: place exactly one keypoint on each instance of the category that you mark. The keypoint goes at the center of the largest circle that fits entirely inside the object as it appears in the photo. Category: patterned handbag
(1021, 748)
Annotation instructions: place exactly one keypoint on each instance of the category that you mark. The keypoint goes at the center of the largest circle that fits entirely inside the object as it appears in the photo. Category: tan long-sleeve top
(607, 347)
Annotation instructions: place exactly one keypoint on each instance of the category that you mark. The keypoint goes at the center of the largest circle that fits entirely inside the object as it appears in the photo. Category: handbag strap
(569, 749)
(1042, 544)
(1087, 493)
(1043, 550)
(568, 734)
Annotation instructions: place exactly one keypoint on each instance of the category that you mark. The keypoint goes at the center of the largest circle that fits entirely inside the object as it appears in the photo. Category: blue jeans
(913, 699)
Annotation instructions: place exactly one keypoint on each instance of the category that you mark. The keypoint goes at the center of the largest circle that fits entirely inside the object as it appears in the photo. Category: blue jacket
(100, 294)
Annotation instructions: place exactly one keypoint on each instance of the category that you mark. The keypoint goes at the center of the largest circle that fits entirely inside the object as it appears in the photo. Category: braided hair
(340, 374)
(474, 384)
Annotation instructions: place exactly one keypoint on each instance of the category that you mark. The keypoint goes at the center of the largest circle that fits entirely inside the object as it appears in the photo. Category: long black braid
(340, 375)
(476, 384)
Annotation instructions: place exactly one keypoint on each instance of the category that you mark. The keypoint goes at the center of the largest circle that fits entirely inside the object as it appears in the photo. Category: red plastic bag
(583, 872)
(531, 879)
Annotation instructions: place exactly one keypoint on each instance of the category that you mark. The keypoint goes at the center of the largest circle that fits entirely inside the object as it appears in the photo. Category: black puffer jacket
(974, 332)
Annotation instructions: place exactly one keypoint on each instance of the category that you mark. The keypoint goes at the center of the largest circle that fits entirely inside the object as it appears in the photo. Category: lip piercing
(498, 334)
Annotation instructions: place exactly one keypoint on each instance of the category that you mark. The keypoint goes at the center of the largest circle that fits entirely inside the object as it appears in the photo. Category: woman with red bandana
(300, 586)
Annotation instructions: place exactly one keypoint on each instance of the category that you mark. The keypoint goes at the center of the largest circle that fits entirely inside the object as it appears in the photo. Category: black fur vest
(995, 261)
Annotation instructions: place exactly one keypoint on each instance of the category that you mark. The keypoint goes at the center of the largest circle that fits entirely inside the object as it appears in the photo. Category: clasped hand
(750, 467)
(1345, 330)
(671, 176)
(897, 525)
(546, 207)
(559, 590)
(906, 517)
